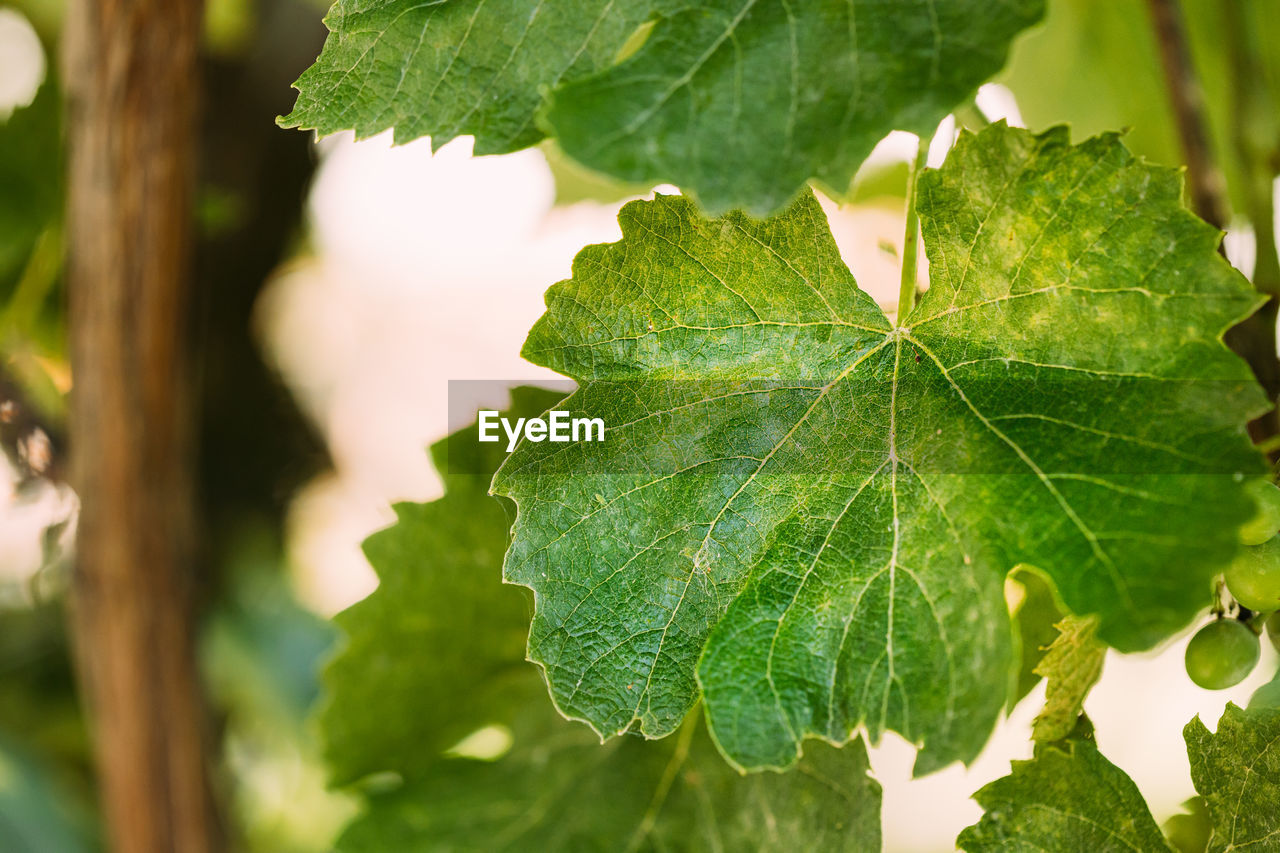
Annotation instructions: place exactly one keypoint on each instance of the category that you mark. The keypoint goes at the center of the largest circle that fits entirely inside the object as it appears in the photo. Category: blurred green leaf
(30, 181)
(575, 182)
(1268, 695)
(262, 650)
(260, 654)
(1034, 619)
(560, 789)
(1068, 70)
(38, 815)
(38, 690)
(32, 322)
(432, 649)
(1189, 831)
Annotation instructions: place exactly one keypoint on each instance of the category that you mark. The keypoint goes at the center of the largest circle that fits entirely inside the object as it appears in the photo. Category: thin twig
(1254, 146)
(1253, 338)
(1204, 179)
(1253, 143)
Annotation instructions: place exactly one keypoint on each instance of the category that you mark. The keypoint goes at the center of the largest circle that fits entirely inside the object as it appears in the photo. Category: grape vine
(798, 533)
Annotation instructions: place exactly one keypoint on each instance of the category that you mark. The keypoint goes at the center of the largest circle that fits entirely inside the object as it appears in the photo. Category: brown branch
(132, 87)
(1254, 338)
(1252, 142)
(1205, 182)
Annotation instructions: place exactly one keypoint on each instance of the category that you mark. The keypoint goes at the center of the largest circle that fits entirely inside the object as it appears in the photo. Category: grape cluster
(1224, 652)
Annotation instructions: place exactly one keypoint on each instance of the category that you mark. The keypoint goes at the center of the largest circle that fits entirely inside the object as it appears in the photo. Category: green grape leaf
(737, 101)
(1067, 798)
(741, 102)
(448, 69)
(1268, 695)
(1072, 665)
(428, 654)
(1237, 771)
(805, 513)
(434, 658)
(560, 789)
(1188, 831)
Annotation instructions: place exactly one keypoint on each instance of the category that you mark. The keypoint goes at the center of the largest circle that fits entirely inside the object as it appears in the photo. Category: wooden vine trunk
(132, 82)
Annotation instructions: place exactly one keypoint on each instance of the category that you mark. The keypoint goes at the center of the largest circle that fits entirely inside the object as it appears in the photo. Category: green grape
(1266, 521)
(1222, 654)
(1273, 629)
(1254, 577)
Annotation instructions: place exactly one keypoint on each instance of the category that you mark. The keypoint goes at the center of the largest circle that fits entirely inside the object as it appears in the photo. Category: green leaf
(806, 514)
(1188, 831)
(39, 811)
(560, 789)
(1268, 695)
(30, 180)
(1034, 616)
(434, 667)
(1237, 771)
(1071, 667)
(1067, 798)
(429, 654)
(448, 69)
(737, 101)
(741, 102)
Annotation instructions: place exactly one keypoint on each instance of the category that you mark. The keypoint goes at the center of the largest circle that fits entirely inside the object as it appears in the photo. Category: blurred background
(340, 286)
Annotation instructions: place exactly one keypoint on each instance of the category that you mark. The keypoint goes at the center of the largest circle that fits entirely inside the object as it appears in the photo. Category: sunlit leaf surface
(804, 512)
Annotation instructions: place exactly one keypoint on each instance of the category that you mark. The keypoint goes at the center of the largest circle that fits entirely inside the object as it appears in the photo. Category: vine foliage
(798, 532)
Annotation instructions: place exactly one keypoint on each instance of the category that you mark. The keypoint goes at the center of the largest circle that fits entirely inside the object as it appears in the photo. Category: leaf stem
(681, 752)
(911, 241)
(33, 286)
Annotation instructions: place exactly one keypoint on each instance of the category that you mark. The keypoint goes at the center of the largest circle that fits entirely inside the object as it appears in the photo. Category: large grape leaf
(805, 512)
(436, 654)
(1067, 798)
(1237, 771)
(739, 102)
